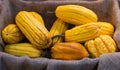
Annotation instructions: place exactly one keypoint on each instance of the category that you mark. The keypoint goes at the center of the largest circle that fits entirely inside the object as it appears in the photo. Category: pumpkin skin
(23, 49)
(58, 27)
(68, 51)
(75, 14)
(37, 16)
(33, 30)
(83, 33)
(106, 28)
(101, 45)
(12, 34)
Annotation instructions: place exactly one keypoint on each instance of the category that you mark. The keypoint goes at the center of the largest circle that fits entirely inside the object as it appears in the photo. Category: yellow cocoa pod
(68, 51)
(23, 49)
(58, 27)
(75, 14)
(38, 17)
(101, 45)
(83, 33)
(106, 28)
(34, 31)
(12, 34)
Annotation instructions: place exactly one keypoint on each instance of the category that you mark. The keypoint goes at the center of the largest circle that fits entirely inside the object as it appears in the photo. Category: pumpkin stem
(59, 35)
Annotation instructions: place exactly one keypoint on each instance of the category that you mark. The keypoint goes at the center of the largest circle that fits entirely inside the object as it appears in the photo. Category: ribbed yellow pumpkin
(101, 45)
(12, 34)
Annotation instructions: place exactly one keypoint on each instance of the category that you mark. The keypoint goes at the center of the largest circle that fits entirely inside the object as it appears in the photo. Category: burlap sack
(107, 10)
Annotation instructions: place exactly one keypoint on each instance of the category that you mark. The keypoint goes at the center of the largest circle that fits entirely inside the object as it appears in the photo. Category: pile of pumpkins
(88, 38)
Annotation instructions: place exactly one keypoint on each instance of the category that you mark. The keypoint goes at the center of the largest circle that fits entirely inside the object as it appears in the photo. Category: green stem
(59, 35)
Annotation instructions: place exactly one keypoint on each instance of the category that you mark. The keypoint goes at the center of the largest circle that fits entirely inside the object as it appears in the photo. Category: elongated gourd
(75, 14)
(37, 16)
(83, 33)
(34, 31)
(58, 27)
(23, 49)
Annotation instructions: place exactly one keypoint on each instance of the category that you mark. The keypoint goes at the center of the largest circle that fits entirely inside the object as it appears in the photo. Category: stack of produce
(88, 38)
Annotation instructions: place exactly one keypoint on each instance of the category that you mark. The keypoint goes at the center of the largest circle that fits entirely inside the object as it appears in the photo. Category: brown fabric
(107, 10)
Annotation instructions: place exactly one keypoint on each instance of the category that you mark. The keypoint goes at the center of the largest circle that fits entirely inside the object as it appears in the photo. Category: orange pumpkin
(68, 51)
